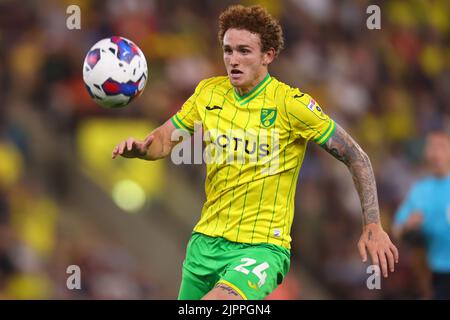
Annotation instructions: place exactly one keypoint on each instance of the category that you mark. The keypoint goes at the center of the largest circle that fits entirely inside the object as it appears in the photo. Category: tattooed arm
(373, 238)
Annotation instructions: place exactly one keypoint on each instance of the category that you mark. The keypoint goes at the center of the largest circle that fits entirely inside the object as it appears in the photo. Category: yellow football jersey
(255, 145)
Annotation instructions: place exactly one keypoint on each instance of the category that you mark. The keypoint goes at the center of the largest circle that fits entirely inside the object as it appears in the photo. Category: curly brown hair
(254, 19)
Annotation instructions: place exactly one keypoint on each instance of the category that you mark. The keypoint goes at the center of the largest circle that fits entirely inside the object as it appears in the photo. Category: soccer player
(240, 248)
(426, 209)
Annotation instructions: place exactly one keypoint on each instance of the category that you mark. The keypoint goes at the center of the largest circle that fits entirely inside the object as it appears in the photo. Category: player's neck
(247, 89)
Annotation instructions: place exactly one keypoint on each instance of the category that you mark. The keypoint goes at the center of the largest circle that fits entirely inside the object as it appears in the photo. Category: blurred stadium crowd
(387, 87)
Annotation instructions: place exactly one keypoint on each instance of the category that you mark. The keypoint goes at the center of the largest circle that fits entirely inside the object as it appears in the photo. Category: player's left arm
(374, 239)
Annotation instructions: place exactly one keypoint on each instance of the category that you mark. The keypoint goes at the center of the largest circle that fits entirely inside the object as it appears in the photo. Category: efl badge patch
(316, 109)
(311, 104)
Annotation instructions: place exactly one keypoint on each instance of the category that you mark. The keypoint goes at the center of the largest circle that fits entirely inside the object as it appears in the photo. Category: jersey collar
(246, 98)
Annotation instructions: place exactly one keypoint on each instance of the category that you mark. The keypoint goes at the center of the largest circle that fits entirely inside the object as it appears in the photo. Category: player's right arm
(157, 145)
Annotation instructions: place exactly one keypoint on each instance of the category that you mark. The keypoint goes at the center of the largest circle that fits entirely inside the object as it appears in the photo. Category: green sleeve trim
(325, 132)
(179, 124)
(327, 135)
(174, 123)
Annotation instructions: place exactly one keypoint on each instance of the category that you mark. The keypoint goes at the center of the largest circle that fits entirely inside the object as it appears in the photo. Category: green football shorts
(252, 270)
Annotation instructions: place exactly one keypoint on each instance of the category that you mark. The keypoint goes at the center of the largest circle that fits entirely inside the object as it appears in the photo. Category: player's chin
(236, 82)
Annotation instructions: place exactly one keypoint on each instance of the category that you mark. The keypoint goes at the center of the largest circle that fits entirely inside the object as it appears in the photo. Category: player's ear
(268, 56)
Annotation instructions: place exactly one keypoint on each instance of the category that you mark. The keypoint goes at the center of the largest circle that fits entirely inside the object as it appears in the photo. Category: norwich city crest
(268, 117)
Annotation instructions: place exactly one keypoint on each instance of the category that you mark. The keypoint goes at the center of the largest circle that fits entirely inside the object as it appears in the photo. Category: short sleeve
(307, 118)
(188, 114)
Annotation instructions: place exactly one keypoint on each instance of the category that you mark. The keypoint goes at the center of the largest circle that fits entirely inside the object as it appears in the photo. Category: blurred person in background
(424, 216)
(240, 247)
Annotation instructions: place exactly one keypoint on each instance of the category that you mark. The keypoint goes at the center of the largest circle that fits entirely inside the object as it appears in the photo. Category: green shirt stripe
(288, 202)
(259, 209)
(228, 172)
(217, 125)
(274, 206)
(246, 191)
